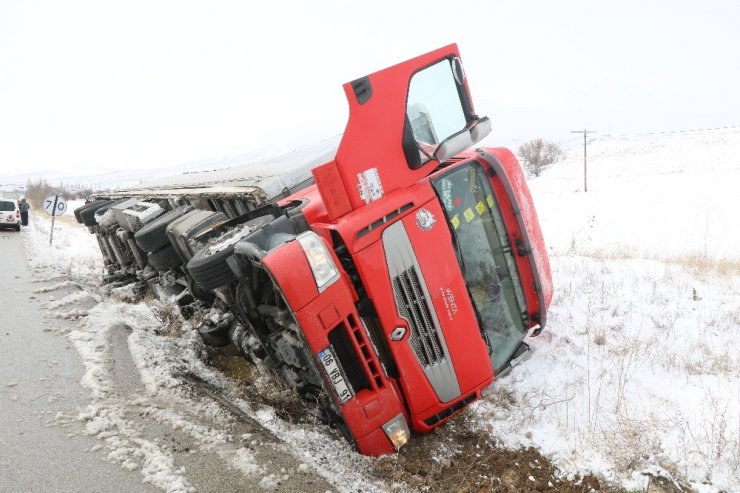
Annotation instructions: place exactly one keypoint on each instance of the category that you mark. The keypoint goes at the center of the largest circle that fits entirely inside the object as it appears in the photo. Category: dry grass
(629, 315)
(716, 437)
(620, 252)
(68, 218)
(169, 318)
(696, 263)
(700, 264)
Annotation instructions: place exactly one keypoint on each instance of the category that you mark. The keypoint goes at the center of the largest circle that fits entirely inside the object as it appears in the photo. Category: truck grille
(413, 306)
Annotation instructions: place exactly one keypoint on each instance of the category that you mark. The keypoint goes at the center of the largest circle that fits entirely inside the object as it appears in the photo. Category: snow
(161, 358)
(244, 461)
(637, 371)
(660, 196)
(638, 367)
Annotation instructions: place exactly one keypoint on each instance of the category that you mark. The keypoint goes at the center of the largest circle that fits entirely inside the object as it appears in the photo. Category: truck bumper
(331, 325)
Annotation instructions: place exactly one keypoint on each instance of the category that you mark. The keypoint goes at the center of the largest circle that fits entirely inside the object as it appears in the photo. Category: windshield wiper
(458, 251)
(481, 325)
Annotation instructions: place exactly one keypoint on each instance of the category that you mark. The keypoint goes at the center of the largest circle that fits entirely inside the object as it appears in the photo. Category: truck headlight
(324, 270)
(397, 431)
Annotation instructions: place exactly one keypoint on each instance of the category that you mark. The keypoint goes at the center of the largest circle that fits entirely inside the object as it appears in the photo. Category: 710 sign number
(55, 205)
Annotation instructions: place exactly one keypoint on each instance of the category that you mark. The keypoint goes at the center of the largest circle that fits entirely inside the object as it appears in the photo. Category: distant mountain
(13, 179)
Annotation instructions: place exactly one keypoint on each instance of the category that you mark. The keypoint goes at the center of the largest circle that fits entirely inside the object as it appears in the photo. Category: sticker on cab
(489, 200)
(455, 221)
(480, 207)
(425, 220)
(469, 214)
(369, 185)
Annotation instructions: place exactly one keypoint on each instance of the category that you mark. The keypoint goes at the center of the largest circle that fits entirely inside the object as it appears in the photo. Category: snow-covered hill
(111, 179)
(659, 195)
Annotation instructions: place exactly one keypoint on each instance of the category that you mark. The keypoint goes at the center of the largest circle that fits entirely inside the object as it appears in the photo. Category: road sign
(55, 205)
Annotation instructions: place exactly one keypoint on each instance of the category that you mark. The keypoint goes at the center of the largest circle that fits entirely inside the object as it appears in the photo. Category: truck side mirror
(463, 140)
(436, 115)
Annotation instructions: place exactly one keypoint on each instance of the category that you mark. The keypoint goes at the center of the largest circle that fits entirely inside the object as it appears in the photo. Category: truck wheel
(87, 214)
(153, 236)
(102, 210)
(80, 209)
(208, 266)
(194, 289)
(164, 259)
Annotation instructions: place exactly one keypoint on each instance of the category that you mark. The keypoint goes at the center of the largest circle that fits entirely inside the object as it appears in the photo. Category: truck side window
(433, 107)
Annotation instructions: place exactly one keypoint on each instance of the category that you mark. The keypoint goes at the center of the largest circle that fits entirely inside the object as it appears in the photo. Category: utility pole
(584, 132)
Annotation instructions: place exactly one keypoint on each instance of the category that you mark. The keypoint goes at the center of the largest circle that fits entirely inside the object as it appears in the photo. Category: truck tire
(196, 292)
(81, 208)
(102, 210)
(210, 270)
(153, 236)
(164, 259)
(208, 266)
(88, 215)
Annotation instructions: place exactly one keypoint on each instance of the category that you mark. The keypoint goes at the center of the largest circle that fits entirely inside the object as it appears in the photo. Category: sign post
(54, 205)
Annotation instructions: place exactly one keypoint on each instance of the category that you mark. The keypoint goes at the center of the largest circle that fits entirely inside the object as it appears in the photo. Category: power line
(585, 133)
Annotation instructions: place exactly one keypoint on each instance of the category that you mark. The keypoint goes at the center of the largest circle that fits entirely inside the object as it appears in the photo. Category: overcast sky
(94, 85)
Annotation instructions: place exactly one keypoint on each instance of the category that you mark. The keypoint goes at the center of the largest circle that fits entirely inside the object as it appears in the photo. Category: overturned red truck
(394, 286)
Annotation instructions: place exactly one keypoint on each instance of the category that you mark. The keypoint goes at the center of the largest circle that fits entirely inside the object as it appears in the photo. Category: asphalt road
(42, 447)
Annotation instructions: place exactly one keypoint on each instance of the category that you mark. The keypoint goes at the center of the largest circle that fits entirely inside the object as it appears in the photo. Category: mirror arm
(425, 152)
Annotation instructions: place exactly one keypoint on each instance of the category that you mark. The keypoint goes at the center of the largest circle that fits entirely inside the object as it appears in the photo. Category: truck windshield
(486, 258)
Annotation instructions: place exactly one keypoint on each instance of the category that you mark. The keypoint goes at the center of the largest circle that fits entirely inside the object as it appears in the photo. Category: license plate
(331, 367)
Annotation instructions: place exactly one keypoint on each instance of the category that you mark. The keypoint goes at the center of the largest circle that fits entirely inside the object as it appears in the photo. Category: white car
(10, 216)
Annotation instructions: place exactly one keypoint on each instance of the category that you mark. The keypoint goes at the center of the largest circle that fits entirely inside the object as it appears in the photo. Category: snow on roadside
(161, 359)
(79, 297)
(638, 370)
(74, 253)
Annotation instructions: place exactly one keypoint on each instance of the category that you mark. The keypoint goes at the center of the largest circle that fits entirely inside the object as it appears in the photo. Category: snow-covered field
(638, 371)
(639, 367)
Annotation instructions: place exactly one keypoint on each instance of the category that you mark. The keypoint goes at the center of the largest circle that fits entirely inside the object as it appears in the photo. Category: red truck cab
(423, 267)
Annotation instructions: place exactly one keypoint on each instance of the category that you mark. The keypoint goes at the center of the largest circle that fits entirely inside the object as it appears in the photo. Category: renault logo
(398, 333)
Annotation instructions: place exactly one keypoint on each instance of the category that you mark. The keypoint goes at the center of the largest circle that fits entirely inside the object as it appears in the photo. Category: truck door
(403, 121)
